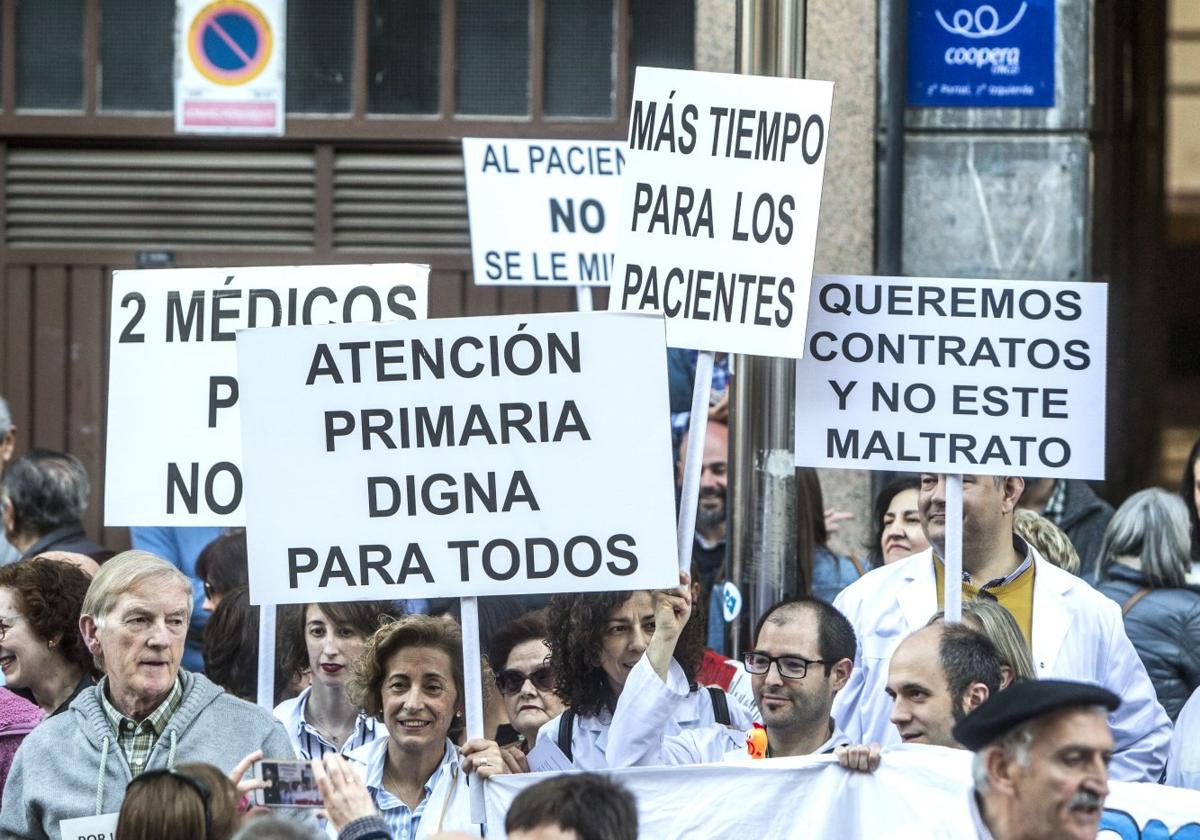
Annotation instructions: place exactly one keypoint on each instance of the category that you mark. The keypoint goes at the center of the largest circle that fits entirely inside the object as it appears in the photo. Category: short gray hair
(6, 422)
(46, 489)
(124, 572)
(1153, 526)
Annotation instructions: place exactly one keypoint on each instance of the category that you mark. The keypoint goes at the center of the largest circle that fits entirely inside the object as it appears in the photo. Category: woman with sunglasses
(521, 659)
(192, 800)
(597, 640)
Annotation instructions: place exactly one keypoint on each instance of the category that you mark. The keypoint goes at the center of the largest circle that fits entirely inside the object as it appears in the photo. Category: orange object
(756, 741)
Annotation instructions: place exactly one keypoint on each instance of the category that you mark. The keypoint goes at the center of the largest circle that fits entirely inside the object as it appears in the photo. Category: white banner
(998, 377)
(465, 456)
(542, 212)
(230, 66)
(174, 435)
(918, 793)
(719, 207)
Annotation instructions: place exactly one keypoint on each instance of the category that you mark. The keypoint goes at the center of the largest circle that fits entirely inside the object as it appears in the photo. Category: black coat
(1164, 627)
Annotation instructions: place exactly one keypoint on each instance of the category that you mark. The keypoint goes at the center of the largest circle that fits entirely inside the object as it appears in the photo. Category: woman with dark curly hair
(410, 676)
(326, 639)
(597, 642)
(42, 654)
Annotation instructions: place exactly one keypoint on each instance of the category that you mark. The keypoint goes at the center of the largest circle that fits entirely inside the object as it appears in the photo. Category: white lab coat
(1183, 765)
(448, 806)
(591, 740)
(638, 734)
(1078, 634)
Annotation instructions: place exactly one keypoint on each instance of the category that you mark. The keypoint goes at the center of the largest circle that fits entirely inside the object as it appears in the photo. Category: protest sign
(457, 457)
(542, 212)
(918, 793)
(101, 827)
(174, 440)
(954, 376)
(719, 207)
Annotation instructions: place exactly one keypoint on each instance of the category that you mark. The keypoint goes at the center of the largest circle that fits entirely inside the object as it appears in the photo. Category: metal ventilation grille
(409, 201)
(59, 198)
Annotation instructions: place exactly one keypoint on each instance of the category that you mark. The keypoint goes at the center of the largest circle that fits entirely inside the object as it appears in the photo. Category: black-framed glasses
(510, 680)
(790, 667)
(195, 784)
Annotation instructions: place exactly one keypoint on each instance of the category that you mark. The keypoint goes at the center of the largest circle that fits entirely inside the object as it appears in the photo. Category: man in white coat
(1183, 765)
(1076, 633)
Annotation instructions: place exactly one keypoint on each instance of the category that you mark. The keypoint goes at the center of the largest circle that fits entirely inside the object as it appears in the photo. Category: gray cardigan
(70, 765)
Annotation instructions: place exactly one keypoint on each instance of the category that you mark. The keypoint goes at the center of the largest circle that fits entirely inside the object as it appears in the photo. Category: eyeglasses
(6, 624)
(195, 784)
(510, 680)
(790, 667)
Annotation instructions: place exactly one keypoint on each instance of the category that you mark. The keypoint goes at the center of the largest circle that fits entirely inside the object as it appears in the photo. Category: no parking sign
(230, 66)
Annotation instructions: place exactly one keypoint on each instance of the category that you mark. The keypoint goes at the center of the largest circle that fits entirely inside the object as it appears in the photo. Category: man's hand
(346, 797)
(860, 758)
(484, 758)
(719, 411)
(672, 609)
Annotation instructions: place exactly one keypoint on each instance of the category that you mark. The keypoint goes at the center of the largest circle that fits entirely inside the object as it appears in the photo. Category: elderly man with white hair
(144, 714)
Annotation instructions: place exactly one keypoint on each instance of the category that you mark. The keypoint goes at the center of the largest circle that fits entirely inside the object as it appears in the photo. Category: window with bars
(425, 69)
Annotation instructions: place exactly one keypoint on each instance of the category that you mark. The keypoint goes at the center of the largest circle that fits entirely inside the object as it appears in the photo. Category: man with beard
(803, 655)
(1042, 749)
(708, 550)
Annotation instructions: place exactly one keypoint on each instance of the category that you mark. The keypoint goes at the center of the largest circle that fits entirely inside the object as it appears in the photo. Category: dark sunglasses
(510, 680)
(195, 784)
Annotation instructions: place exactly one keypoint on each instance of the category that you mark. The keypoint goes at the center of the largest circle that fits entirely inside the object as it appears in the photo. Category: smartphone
(290, 785)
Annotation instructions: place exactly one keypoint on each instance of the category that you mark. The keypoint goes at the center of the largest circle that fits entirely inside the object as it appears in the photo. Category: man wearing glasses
(803, 655)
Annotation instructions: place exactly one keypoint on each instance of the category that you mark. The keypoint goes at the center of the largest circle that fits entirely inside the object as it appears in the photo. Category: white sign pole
(583, 298)
(473, 679)
(952, 599)
(693, 466)
(266, 656)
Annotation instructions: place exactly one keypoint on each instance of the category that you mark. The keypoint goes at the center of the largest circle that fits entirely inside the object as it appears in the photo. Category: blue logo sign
(973, 54)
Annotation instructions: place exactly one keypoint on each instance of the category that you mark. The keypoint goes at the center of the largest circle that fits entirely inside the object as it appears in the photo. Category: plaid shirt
(1056, 505)
(135, 739)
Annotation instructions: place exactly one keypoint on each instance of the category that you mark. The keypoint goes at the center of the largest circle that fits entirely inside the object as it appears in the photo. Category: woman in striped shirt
(325, 639)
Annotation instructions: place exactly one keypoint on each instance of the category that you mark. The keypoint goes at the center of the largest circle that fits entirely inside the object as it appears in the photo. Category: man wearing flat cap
(1042, 749)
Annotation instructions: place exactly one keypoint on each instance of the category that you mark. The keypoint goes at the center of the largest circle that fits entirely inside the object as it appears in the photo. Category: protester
(708, 548)
(1144, 562)
(802, 656)
(992, 619)
(582, 806)
(897, 522)
(42, 654)
(44, 495)
(1075, 632)
(831, 572)
(716, 669)
(81, 562)
(181, 546)
(520, 658)
(18, 717)
(326, 639)
(1183, 762)
(278, 828)
(1073, 506)
(8, 441)
(188, 800)
(596, 640)
(410, 676)
(223, 567)
(1042, 750)
(231, 645)
(1189, 491)
(1049, 540)
(146, 713)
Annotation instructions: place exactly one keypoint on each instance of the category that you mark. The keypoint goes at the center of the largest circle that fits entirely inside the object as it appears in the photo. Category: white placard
(467, 456)
(542, 212)
(102, 827)
(230, 66)
(997, 377)
(719, 207)
(174, 439)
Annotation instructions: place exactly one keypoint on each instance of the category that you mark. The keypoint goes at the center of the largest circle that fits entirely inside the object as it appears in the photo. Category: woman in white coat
(596, 639)
(410, 675)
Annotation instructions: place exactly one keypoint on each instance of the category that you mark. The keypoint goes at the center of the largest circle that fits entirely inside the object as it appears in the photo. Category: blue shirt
(401, 820)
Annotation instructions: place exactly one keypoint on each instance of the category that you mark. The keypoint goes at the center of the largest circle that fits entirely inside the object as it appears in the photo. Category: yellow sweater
(1016, 596)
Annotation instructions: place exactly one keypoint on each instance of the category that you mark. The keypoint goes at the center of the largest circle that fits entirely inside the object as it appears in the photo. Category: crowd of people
(130, 679)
